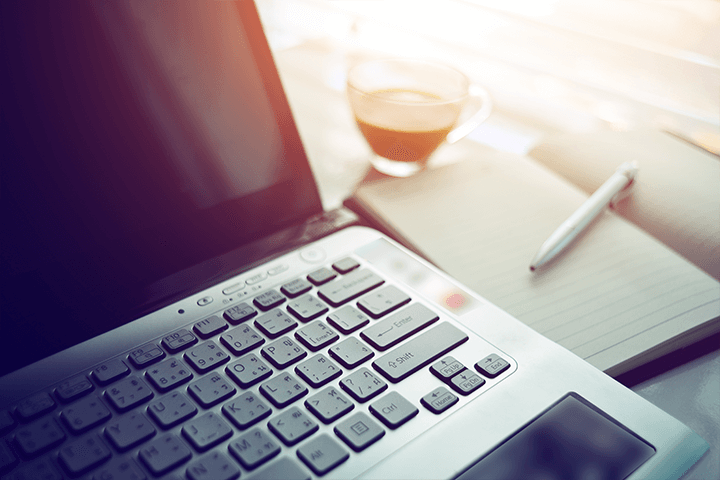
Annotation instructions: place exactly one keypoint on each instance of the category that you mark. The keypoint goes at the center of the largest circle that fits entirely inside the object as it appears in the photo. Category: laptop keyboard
(246, 391)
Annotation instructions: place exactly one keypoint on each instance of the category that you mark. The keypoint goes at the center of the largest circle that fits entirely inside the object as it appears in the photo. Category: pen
(615, 188)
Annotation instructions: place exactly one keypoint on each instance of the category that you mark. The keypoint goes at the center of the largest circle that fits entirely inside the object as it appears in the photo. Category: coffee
(407, 108)
(405, 125)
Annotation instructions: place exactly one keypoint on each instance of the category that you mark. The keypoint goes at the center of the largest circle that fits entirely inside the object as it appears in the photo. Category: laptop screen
(141, 139)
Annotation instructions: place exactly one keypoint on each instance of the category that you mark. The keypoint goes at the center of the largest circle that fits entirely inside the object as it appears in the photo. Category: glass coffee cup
(407, 108)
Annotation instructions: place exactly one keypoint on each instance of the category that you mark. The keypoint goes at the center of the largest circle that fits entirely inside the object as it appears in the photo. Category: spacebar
(413, 355)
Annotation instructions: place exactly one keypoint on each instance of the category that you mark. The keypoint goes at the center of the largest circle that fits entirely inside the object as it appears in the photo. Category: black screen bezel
(53, 50)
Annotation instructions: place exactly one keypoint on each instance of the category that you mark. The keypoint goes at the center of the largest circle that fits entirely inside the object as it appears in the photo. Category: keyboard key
(351, 352)
(322, 454)
(316, 336)
(278, 269)
(168, 374)
(235, 287)
(292, 425)
(359, 431)
(239, 313)
(306, 308)
(399, 326)
(171, 410)
(85, 414)
(439, 400)
(349, 287)
(210, 326)
(172, 476)
(257, 278)
(120, 469)
(268, 300)
(42, 469)
(110, 371)
(146, 355)
(178, 341)
(393, 410)
(164, 454)
(363, 385)
(275, 323)
(248, 370)
(214, 466)
(383, 301)
(492, 366)
(246, 410)
(284, 469)
(82, 455)
(466, 382)
(329, 405)
(74, 388)
(296, 287)
(348, 319)
(7, 422)
(254, 448)
(241, 340)
(38, 436)
(128, 393)
(345, 265)
(283, 390)
(283, 352)
(446, 368)
(419, 352)
(211, 389)
(129, 431)
(34, 406)
(318, 370)
(206, 431)
(8, 459)
(206, 356)
(323, 275)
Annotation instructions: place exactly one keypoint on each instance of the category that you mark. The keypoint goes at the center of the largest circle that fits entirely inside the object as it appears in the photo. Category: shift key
(419, 352)
(399, 326)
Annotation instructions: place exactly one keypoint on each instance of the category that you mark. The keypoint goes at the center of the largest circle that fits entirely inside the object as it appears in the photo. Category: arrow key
(439, 400)
(492, 366)
(466, 382)
(446, 368)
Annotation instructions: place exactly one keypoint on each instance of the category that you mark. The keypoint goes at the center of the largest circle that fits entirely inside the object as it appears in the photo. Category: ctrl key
(393, 410)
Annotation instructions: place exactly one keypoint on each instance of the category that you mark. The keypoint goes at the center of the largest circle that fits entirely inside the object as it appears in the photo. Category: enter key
(399, 326)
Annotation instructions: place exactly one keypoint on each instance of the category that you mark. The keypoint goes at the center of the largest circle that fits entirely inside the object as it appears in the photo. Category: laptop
(177, 304)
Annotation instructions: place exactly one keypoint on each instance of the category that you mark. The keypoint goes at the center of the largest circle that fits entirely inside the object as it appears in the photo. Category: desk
(686, 385)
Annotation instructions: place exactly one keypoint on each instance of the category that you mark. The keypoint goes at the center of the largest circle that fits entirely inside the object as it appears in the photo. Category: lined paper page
(617, 297)
(678, 199)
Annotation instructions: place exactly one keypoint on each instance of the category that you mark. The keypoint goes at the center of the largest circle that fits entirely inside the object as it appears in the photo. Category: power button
(313, 255)
(205, 301)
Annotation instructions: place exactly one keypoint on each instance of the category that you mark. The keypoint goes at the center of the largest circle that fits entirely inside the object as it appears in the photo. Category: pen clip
(630, 171)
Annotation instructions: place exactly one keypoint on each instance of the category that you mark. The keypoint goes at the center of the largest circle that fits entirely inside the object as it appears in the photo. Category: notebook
(618, 297)
(176, 304)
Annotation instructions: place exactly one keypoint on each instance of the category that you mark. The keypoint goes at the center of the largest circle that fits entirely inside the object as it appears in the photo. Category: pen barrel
(597, 202)
(587, 212)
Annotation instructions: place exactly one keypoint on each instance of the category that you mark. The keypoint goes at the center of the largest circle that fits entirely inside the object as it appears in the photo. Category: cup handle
(473, 122)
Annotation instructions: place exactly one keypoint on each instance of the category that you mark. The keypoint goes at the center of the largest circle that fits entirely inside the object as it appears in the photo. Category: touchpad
(572, 439)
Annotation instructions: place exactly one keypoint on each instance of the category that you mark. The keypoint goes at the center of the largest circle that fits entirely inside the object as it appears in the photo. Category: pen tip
(532, 269)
